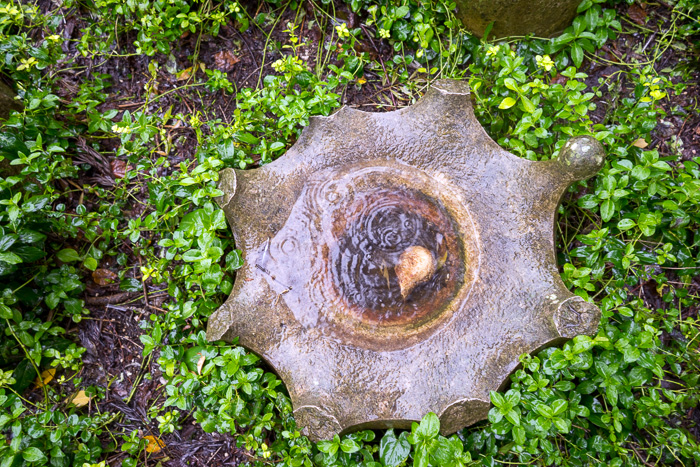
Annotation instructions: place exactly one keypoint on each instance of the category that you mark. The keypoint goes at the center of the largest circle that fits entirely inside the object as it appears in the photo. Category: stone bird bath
(399, 263)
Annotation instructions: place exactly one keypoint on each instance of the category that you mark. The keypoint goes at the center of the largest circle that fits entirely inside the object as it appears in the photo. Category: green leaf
(10, 258)
(527, 104)
(68, 255)
(276, 146)
(507, 103)
(513, 417)
(607, 209)
(519, 435)
(5, 311)
(563, 39)
(544, 410)
(512, 397)
(576, 54)
(562, 424)
(497, 399)
(429, 426)
(33, 455)
(565, 386)
(90, 263)
(446, 451)
(559, 406)
(511, 84)
(329, 447)
(349, 446)
(612, 393)
(208, 425)
(647, 223)
(640, 173)
(421, 457)
(247, 138)
(584, 5)
(402, 11)
(392, 450)
(625, 224)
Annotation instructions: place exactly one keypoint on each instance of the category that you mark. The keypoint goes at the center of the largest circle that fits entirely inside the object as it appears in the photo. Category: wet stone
(543, 18)
(399, 263)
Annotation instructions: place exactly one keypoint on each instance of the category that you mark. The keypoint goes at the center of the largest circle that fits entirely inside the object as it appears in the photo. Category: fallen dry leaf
(224, 60)
(80, 399)
(637, 13)
(103, 276)
(154, 444)
(46, 377)
(415, 266)
(200, 363)
(559, 79)
(640, 143)
(185, 74)
(118, 168)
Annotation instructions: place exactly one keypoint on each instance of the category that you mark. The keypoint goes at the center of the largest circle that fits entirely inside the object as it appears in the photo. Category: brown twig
(110, 299)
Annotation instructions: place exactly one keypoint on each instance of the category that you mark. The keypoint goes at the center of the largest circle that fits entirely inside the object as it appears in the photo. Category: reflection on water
(333, 262)
(377, 228)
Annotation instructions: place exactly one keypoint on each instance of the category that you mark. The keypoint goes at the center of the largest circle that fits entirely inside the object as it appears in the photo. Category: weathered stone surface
(544, 18)
(324, 229)
(7, 101)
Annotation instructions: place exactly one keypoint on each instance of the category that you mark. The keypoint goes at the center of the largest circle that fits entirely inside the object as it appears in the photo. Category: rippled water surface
(334, 261)
(377, 228)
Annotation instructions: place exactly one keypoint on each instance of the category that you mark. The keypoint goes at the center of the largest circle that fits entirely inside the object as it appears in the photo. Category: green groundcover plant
(621, 397)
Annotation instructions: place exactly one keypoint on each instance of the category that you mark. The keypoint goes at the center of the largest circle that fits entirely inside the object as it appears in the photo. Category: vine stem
(31, 360)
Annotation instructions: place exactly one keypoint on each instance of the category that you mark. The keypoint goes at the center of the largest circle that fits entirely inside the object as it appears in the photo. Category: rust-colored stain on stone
(399, 263)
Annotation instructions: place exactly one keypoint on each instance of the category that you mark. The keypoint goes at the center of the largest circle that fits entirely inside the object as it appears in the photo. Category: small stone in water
(416, 265)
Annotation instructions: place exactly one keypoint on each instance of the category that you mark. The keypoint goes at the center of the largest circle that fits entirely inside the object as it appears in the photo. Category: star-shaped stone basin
(399, 263)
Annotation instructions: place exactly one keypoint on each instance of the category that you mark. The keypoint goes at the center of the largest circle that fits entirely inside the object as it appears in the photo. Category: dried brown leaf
(224, 60)
(154, 444)
(637, 13)
(640, 143)
(559, 79)
(200, 363)
(185, 74)
(46, 377)
(118, 168)
(103, 276)
(80, 399)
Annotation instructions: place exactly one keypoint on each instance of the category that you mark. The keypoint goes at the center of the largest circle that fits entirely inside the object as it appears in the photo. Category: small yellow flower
(342, 30)
(120, 130)
(195, 121)
(384, 33)
(26, 63)
(492, 51)
(278, 65)
(544, 62)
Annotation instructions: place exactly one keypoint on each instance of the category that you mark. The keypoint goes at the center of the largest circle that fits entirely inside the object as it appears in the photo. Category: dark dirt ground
(113, 357)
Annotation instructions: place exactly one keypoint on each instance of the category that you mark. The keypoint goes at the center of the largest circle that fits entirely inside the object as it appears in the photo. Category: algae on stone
(543, 18)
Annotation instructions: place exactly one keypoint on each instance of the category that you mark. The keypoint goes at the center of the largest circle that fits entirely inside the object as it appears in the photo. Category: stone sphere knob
(416, 265)
(582, 157)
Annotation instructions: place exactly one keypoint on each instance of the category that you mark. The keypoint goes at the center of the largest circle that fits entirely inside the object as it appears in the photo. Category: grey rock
(544, 18)
(7, 101)
(323, 229)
